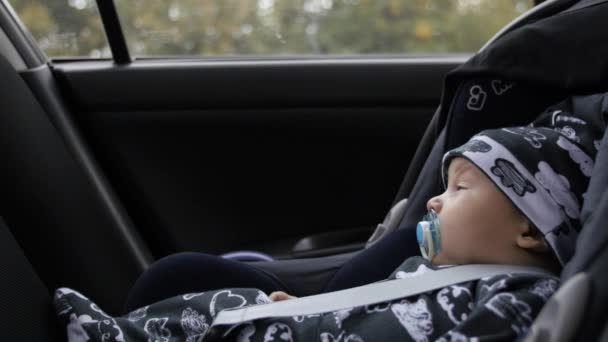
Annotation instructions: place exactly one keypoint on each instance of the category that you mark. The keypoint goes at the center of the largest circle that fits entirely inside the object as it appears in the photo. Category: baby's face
(478, 222)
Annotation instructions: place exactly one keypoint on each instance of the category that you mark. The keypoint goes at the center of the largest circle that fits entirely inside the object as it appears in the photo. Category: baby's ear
(531, 239)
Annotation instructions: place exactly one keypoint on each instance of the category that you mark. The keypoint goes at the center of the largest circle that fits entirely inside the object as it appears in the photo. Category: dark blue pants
(196, 272)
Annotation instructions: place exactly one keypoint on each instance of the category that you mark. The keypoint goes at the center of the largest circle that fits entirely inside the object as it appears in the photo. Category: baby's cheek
(446, 248)
(455, 246)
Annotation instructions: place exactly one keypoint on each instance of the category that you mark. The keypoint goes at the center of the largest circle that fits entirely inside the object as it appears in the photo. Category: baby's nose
(434, 203)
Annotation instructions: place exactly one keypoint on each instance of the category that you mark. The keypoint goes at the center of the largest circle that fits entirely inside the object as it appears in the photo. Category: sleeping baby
(512, 196)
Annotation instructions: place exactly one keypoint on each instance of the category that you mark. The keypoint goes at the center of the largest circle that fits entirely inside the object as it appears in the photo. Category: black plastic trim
(114, 33)
(187, 85)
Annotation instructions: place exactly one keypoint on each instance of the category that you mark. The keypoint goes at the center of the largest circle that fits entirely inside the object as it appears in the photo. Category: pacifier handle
(428, 235)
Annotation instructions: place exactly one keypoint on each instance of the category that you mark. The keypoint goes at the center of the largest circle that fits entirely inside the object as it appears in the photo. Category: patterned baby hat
(544, 168)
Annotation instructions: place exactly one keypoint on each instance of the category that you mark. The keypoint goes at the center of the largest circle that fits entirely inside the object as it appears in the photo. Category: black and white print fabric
(501, 307)
(544, 168)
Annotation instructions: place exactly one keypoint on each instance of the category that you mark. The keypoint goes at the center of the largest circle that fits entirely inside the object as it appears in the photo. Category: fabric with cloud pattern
(501, 306)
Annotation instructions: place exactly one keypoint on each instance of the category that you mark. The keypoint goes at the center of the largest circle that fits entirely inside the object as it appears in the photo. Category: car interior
(109, 165)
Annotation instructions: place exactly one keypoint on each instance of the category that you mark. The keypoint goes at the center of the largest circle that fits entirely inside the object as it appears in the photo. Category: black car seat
(25, 302)
(578, 310)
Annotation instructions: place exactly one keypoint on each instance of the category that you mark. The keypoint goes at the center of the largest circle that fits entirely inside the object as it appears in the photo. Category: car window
(161, 28)
(64, 28)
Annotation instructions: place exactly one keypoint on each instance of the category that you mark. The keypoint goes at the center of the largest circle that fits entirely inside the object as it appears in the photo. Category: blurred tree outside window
(220, 28)
(64, 28)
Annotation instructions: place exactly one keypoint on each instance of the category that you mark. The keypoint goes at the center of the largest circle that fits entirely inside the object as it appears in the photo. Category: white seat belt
(370, 294)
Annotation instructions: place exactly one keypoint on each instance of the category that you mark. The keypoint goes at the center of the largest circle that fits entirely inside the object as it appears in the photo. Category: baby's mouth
(428, 234)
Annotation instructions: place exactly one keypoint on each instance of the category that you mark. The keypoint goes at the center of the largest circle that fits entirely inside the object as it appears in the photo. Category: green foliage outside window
(270, 27)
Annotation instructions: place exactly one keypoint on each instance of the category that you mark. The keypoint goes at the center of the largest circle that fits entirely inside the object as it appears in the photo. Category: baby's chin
(438, 260)
(442, 260)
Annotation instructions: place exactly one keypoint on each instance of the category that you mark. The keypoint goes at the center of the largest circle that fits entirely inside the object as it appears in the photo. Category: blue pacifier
(428, 234)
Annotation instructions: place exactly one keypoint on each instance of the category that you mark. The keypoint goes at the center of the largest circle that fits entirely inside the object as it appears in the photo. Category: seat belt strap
(370, 294)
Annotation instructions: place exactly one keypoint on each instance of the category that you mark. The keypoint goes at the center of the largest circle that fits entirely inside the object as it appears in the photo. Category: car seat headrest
(594, 235)
(526, 70)
(487, 103)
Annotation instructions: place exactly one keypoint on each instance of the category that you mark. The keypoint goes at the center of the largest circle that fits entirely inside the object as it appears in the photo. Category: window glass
(161, 28)
(64, 28)
(312, 27)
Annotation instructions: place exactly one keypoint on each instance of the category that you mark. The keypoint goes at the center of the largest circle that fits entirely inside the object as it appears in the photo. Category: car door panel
(216, 156)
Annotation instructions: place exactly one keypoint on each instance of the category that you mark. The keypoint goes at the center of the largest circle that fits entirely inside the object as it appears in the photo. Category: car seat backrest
(594, 217)
(591, 256)
(25, 303)
(53, 206)
(577, 311)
